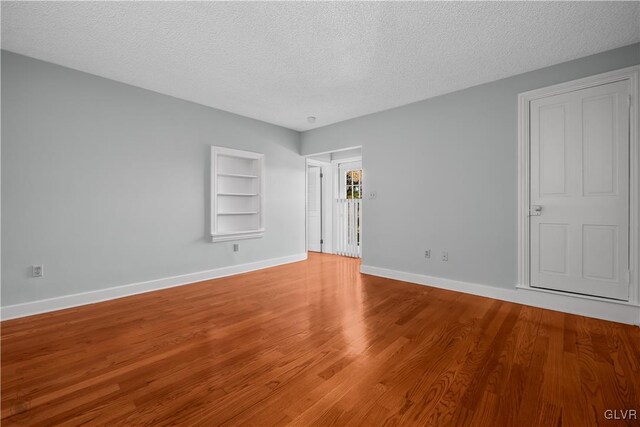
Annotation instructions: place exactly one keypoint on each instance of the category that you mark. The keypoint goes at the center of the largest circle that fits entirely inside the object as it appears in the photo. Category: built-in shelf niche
(237, 194)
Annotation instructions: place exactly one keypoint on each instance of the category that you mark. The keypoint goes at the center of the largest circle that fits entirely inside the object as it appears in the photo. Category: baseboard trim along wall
(590, 307)
(75, 300)
(584, 306)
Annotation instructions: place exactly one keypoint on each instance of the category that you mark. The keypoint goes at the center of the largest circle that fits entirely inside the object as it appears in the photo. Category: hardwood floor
(316, 343)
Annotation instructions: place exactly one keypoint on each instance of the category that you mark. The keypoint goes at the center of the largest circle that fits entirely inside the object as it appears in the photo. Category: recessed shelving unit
(237, 194)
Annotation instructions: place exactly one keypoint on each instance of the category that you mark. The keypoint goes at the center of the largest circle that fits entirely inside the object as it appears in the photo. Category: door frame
(524, 99)
(326, 210)
(336, 173)
(335, 193)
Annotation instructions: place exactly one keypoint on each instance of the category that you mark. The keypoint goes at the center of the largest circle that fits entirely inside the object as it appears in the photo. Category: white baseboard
(68, 301)
(617, 311)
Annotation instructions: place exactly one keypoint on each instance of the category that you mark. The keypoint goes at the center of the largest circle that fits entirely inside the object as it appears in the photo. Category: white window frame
(341, 180)
(335, 164)
(524, 101)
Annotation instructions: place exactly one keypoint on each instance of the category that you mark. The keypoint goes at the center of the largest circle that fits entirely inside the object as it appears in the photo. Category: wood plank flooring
(316, 343)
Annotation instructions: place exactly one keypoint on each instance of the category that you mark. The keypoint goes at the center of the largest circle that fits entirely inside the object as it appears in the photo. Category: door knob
(535, 210)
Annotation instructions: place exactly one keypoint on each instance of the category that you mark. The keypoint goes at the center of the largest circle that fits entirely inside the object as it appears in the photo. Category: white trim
(337, 162)
(239, 235)
(320, 163)
(617, 311)
(439, 282)
(326, 169)
(524, 99)
(523, 190)
(68, 301)
(337, 150)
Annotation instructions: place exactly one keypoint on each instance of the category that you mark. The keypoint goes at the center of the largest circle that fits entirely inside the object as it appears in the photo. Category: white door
(314, 209)
(349, 209)
(579, 221)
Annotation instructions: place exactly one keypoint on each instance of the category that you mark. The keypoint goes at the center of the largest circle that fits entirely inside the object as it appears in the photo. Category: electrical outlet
(427, 253)
(445, 256)
(37, 270)
(373, 195)
(236, 247)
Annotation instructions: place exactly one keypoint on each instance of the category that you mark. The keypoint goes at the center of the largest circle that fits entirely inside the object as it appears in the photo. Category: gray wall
(445, 170)
(107, 184)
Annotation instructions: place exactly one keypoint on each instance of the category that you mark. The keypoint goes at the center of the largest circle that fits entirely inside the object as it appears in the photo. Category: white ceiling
(283, 61)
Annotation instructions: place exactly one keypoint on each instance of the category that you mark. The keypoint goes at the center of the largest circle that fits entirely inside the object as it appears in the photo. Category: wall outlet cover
(37, 270)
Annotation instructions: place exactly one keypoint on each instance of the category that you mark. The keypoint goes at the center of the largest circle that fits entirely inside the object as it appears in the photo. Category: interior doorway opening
(335, 187)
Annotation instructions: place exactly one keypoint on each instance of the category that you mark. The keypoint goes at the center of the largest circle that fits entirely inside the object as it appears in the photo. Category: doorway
(334, 184)
(350, 183)
(578, 201)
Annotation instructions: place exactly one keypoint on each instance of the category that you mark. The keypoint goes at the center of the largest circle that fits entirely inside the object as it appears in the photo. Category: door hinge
(321, 175)
(321, 241)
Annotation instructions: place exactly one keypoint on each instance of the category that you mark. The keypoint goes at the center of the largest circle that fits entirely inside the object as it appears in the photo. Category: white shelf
(238, 178)
(226, 237)
(233, 233)
(238, 175)
(238, 213)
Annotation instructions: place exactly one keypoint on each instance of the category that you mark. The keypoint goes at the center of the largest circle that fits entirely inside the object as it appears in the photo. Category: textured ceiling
(283, 61)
